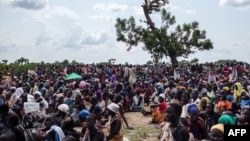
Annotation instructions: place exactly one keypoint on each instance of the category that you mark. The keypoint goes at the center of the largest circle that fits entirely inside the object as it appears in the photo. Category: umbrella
(73, 76)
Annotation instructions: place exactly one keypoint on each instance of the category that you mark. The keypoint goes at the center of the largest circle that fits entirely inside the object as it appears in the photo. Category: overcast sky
(83, 30)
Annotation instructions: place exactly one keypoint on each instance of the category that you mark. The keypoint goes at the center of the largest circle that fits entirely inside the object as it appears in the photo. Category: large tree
(181, 41)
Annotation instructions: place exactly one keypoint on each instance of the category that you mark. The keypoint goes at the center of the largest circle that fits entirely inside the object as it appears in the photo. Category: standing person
(176, 72)
(172, 129)
(114, 124)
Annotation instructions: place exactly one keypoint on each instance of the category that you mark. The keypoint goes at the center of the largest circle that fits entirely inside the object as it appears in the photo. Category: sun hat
(113, 107)
(63, 108)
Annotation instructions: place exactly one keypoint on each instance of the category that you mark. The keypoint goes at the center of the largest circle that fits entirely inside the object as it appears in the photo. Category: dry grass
(142, 130)
(142, 133)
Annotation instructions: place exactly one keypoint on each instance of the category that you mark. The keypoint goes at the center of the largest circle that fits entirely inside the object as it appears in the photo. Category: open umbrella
(73, 76)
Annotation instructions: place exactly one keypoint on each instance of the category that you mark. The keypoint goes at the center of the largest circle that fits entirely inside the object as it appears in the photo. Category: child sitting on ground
(158, 110)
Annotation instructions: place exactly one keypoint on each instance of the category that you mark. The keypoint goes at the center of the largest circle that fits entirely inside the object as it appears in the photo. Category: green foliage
(160, 41)
(2, 67)
(223, 62)
(195, 60)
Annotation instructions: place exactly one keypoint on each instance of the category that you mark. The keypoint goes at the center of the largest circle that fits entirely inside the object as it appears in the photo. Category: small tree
(160, 41)
(112, 61)
(5, 61)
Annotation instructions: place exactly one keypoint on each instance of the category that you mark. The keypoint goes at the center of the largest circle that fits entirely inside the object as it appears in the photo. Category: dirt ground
(142, 130)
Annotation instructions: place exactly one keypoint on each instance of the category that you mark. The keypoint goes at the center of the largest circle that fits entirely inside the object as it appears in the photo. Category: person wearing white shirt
(195, 99)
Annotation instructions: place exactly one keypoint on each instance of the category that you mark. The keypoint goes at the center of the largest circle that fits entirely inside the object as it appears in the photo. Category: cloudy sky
(83, 30)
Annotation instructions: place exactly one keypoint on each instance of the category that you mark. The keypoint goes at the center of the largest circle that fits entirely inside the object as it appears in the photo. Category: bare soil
(142, 130)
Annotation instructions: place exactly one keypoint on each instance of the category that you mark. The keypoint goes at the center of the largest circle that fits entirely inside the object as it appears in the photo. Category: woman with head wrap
(197, 126)
(227, 118)
(202, 105)
(238, 89)
(217, 133)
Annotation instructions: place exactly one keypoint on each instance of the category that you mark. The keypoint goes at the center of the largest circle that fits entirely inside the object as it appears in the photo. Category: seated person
(82, 117)
(217, 133)
(91, 132)
(158, 110)
(64, 119)
(227, 118)
(137, 100)
(114, 124)
(51, 132)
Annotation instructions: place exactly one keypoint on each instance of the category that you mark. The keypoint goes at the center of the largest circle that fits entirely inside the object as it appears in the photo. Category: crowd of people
(187, 103)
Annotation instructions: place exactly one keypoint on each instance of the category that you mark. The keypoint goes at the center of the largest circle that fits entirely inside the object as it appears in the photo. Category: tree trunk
(174, 60)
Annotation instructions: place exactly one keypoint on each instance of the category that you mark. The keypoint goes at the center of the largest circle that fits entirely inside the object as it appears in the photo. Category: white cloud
(102, 17)
(172, 7)
(235, 3)
(110, 7)
(138, 10)
(190, 11)
(91, 38)
(65, 12)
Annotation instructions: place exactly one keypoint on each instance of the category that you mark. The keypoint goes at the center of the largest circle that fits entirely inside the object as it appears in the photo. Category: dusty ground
(142, 130)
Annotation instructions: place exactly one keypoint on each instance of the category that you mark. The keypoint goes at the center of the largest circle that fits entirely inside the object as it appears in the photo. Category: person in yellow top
(204, 101)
